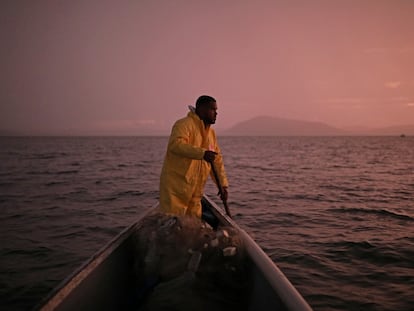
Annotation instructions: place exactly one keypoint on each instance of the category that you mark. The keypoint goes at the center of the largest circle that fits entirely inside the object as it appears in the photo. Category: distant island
(257, 126)
(273, 126)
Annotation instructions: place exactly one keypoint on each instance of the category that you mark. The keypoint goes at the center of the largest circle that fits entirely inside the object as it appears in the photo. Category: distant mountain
(272, 126)
(9, 133)
(258, 126)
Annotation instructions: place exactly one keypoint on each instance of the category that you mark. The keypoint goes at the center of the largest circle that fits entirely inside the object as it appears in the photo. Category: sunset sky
(111, 66)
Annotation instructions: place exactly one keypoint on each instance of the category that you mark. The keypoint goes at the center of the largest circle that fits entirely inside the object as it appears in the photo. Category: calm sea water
(335, 213)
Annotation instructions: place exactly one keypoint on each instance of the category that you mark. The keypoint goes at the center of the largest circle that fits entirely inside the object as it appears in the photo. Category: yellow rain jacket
(184, 173)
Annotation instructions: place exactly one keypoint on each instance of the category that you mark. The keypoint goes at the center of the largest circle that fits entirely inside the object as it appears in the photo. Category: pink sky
(84, 66)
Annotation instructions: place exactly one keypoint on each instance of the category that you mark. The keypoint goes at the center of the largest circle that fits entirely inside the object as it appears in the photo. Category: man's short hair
(204, 100)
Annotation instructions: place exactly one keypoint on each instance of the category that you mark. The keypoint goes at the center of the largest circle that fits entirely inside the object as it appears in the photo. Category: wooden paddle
(220, 188)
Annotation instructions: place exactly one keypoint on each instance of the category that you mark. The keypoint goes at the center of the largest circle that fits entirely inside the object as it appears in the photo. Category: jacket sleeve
(219, 163)
(179, 142)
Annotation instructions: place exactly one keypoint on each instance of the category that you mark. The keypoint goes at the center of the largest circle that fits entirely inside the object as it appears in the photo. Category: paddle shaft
(226, 207)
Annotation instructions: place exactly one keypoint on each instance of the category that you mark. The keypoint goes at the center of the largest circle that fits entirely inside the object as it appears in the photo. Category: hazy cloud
(122, 124)
(400, 98)
(390, 50)
(343, 100)
(392, 84)
(146, 122)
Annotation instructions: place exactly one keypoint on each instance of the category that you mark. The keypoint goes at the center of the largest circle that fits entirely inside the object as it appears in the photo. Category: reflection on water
(335, 213)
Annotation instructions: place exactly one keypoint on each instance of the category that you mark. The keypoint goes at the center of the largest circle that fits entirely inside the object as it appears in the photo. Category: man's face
(210, 113)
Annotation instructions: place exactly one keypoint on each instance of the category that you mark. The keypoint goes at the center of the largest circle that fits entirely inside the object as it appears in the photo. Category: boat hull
(105, 282)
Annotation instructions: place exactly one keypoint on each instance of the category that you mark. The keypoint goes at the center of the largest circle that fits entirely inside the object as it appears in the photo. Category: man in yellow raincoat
(191, 148)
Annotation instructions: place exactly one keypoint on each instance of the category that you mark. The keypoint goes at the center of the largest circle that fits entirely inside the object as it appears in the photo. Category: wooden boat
(104, 281)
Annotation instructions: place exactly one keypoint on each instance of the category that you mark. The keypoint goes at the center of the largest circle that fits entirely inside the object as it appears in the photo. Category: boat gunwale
(271, 272)
(65, 287)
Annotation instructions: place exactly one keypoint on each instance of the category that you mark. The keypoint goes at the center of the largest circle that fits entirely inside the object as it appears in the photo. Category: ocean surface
(335, 213)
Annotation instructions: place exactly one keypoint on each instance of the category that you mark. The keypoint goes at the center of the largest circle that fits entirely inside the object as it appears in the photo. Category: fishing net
(182, 263)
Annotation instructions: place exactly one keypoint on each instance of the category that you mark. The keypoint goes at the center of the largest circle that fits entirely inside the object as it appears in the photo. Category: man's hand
(224, 194)
(209, 156)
